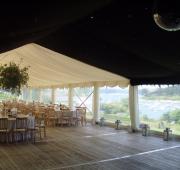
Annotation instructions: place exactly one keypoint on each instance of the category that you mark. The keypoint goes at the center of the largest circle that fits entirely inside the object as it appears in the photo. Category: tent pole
(134, 107)
(53, 95)
(24, 94)
(70, 97)
(40, 95)
(96, 103)
(29, 94)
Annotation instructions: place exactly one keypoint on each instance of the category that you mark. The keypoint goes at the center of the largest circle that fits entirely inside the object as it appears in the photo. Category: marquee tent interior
(120, 37)
(49, 69)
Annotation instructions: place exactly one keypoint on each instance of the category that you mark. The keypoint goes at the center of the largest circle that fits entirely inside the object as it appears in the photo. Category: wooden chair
(51, 117)
(21, 129)
(81, 115)
(40, 126)
(4, 128)
(32, 130)
(65, 117)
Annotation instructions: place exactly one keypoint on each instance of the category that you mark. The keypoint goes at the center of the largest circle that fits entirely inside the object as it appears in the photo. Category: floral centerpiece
(13, 78)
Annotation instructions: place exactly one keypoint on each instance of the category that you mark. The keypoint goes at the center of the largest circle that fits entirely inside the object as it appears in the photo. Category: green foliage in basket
(13, 78)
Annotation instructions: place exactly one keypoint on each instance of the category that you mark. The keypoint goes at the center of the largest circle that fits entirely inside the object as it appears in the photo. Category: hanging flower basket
(13, 78)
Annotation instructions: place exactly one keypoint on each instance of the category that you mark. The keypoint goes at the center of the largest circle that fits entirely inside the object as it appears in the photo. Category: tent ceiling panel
(52, 69)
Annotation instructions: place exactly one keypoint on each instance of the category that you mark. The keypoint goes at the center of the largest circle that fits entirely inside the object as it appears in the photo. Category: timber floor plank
(92, 147)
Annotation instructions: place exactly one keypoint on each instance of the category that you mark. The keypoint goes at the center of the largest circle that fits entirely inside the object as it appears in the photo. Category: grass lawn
(154, 125)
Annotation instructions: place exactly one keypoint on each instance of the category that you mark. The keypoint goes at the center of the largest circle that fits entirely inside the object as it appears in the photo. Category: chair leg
(44, 131)
(40, 133)
(82, 121)
(26, 136)
(33, 136)
(7, 141)
(85, 121)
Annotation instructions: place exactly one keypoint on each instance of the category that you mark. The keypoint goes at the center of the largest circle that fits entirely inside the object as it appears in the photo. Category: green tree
(175, 116)
(172, 116)
(166, 117)
(115, 107)
(145, 117)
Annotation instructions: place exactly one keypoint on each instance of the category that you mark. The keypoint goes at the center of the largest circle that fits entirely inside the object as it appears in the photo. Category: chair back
(40, 121)
(67, 113)
(80, 111)
(3, 123)
(31, 122)
(21, 123)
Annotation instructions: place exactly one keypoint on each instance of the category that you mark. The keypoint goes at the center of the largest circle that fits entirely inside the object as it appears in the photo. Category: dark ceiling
(119, 36)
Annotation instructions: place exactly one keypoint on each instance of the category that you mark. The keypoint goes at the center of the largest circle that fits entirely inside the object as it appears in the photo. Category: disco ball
(166, 15)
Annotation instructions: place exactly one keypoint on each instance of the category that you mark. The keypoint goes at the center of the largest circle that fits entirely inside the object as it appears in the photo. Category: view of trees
(169, 92)
(172, 116)
(160, 107)
(115, 107)
(6, 96)
(80, 96)
(61, 96)
(46, 95)
(117, 110)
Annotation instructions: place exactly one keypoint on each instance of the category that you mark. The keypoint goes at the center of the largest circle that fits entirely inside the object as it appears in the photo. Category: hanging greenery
(13, 78)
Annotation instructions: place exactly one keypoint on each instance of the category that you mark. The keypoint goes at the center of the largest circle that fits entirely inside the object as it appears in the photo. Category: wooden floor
(92, 147)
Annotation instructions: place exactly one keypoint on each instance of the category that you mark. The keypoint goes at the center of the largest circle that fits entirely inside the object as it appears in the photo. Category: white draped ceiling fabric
(49, 69)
